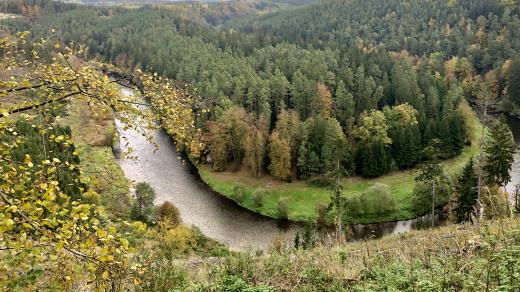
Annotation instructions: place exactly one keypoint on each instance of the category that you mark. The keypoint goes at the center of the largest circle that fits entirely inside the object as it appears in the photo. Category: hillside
(458, 257)
(171, 146)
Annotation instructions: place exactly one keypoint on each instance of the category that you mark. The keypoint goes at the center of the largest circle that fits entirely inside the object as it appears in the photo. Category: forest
(269, 89)
(332, 113)
(300, 105)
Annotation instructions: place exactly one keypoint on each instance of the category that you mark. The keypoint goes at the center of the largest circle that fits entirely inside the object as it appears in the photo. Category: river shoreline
(217, 216)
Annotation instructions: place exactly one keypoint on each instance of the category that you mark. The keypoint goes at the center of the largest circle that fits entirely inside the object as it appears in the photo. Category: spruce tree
(467, 190)
(456, 135)
(499, 151)
(382, 160)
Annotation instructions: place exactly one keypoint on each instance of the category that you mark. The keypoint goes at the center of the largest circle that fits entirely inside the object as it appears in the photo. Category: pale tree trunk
(339, 208)
(433, 203)
(480, 161)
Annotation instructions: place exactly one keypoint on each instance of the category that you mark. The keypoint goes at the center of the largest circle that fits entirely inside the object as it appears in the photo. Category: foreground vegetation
(69, 220)
(459, 257)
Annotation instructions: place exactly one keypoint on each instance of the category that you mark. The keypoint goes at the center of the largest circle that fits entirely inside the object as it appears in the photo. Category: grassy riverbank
(93, 135)
(303, 198)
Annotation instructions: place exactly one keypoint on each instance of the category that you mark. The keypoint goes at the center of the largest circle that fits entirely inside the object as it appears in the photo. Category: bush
(495, 201)
(378, 199)
(110, 136)
(167, 211)
(91, 197)
(164, 275)
(239, 193)
(283, 207)
(230, 283)
(258, 197)
(177, 240)
(322, 218)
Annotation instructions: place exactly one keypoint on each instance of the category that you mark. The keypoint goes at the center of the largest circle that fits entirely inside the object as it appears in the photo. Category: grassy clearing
(303, 198)
(93, 135)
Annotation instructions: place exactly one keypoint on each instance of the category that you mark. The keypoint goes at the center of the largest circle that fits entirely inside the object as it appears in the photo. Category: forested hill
(363, 94)
(487, 32)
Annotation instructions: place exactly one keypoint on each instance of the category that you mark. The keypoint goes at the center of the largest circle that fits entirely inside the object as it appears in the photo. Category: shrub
(238, 193)
(168, 211)
(180, 239)
(283, 207)
(230, 283)
(164, 275)
(91, 197)
(322, 214)
(110, 136)
(495, 203)
(378, 199)
(258, 197)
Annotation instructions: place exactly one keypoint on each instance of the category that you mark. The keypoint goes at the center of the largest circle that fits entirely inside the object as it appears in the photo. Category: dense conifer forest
(334, 113)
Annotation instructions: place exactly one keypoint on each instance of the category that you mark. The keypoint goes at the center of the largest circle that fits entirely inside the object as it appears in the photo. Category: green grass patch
(93, 136)
(304, 198)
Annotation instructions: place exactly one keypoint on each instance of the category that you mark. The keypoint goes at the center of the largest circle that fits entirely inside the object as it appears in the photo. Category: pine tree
(381, 157)
(400, 147)
(456, 136)
(304, 93)
(344, 106)
(499, 151)
(467, 191)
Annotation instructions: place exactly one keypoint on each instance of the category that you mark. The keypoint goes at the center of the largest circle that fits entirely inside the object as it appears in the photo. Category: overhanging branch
(37, 105)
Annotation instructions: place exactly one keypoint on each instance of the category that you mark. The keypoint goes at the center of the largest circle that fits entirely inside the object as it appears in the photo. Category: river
(216, 216)
(514, 124)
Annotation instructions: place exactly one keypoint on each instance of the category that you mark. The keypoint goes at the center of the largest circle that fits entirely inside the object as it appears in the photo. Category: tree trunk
(480, 159)
(433, 203)
(340, 207)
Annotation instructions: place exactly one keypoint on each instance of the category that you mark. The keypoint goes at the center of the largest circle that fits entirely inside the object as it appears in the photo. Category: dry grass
(93, 132)
(285, 268)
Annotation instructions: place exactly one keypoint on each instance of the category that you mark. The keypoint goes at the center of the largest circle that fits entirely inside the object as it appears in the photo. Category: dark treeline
(285, 108)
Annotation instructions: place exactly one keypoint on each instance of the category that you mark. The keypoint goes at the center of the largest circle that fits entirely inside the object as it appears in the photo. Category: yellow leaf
(105, 275)
(102, 233)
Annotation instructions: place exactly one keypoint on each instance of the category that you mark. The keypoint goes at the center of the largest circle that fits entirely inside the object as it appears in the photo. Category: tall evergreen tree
(467, 191)
(499, 151)
(344, 106)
